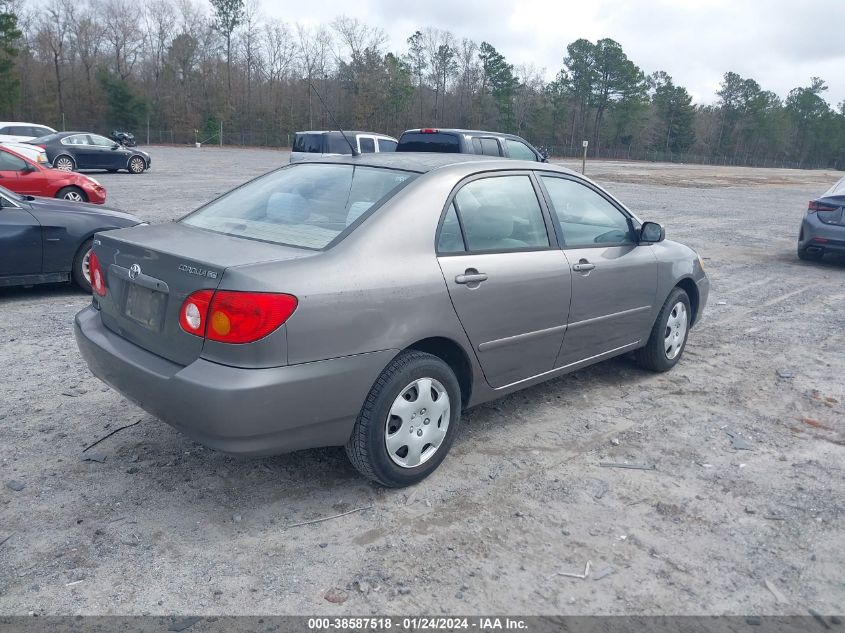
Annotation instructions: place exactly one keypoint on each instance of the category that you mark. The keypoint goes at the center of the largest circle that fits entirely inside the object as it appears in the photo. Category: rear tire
(64, 163)
(394, 407)
(669, 334)
(80, 274)
(137, 165)
(74, 194)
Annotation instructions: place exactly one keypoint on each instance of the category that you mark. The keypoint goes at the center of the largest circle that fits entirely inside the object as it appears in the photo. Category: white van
(18, 132)
(331, 143)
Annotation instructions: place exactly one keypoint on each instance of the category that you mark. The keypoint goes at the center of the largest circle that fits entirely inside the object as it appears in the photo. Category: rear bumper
(815, 234)
(235, 410)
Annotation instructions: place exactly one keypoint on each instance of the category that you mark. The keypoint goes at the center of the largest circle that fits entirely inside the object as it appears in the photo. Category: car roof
(453, 130)
(344, 131)
(424, 162)
(5, 123)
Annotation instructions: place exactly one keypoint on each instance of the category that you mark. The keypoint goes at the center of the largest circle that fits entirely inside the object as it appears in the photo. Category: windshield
(306, 205)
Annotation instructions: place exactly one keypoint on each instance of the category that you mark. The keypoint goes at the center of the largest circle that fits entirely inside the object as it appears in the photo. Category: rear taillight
(42, 146)
(429, 130)
(235, 317)
(820, 206)
(95, 272)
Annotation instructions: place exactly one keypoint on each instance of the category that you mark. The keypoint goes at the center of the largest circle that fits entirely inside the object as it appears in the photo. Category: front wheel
(137, 165)
(74, 194)
(82, 266)
(408, 421)
(668, 335)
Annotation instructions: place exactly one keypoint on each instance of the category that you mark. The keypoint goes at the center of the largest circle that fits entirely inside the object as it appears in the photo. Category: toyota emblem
(134, 271)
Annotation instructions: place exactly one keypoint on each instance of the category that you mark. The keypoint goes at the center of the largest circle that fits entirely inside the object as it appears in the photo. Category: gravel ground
(165, 526)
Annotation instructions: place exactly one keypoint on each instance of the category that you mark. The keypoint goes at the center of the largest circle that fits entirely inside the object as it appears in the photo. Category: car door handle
(470, 278)
(583, 266)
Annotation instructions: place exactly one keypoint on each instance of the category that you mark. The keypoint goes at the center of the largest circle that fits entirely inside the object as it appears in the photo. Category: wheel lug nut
(419, 433)
(422, 410)
(426, 421)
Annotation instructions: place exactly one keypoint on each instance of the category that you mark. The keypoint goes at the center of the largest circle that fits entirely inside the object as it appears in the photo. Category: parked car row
(314, 144)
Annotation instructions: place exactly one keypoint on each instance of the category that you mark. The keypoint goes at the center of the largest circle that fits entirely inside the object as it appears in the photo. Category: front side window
(305, 205)
(490, 147)
(501, 213)
(100, 141)
(519, 150)
(586, 218)
(11, 163)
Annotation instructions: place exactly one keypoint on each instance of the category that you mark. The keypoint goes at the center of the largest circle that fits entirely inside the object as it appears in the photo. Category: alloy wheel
(64, 164)
(75, 196)
(86, 266)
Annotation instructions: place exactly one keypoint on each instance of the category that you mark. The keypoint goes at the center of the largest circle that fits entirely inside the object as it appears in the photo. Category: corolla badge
(134, 271)
(202, 272)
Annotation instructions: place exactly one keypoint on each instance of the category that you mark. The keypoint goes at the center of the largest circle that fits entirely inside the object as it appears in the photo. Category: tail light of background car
(95, 271)
(235, 317)
(820, 206)
(429, 130)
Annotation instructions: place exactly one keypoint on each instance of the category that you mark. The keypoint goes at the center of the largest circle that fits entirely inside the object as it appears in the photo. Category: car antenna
(355, 152)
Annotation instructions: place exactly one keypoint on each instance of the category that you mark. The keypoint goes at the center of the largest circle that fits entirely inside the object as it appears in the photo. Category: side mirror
(544, 155)
(651, 233)
(28, 169)
(115, 146)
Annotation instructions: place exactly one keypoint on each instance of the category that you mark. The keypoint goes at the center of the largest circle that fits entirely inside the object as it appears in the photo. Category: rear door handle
(471, 278)
(583, 266)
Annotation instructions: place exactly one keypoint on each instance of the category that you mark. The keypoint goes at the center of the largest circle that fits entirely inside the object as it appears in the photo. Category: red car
(23, 176)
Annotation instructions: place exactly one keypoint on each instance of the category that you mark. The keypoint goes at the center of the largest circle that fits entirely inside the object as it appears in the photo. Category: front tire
(81, 272)
(74, 194)
(137, 165)
(669, 334)
(408, 422)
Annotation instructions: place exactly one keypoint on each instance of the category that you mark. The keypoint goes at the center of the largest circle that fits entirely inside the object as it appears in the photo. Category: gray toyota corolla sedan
(365, 301)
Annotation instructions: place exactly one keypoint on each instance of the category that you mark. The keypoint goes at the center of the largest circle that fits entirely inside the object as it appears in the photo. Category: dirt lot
(164, 526)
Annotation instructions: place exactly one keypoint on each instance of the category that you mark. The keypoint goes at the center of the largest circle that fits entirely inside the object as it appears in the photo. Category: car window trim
(11, 202)
(497, 173)
(633, 221)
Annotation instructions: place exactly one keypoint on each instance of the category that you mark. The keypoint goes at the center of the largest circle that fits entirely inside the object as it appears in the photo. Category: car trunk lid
(151, 270)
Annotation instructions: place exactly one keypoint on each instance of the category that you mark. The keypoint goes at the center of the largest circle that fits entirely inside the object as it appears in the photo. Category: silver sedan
(366, 301)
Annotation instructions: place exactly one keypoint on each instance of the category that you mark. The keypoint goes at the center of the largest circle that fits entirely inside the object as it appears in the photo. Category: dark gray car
(823, 226)
(455, 141)
(366, 301)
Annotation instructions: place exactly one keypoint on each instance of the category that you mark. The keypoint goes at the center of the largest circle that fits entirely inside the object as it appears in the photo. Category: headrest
(489, 223)
(290, 208)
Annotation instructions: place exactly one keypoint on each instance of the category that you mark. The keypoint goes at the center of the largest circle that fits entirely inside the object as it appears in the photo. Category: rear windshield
(306, 205)
(432, 142)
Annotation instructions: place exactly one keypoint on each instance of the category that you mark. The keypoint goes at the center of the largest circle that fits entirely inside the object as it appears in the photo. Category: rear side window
(386, 145)
(519, 150)
(490, 147)
(76, 139)
(451, 240)
(306, 205)
(40, 131)
(501, 213)
(433, 142)
(308, 143)
(367, 145)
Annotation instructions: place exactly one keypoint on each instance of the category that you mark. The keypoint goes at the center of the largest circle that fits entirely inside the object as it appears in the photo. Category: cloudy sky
(780, 43)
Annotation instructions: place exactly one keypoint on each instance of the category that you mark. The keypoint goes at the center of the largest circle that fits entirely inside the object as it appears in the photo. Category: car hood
(52, 204)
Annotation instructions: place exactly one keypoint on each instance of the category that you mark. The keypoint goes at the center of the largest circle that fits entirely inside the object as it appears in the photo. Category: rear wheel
(64, 163)
(74, 194)
(137, 165)
(408, 421)
(668, 335)
(82, 266)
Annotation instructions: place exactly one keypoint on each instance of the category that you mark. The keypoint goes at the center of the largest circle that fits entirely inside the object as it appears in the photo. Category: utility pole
(584, 144)
(221, 133)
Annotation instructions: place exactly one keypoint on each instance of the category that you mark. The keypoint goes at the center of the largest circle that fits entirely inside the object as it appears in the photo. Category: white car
(32, 152)
(16, 132)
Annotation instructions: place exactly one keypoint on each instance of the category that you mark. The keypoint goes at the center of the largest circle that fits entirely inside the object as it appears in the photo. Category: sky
(779, 43)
